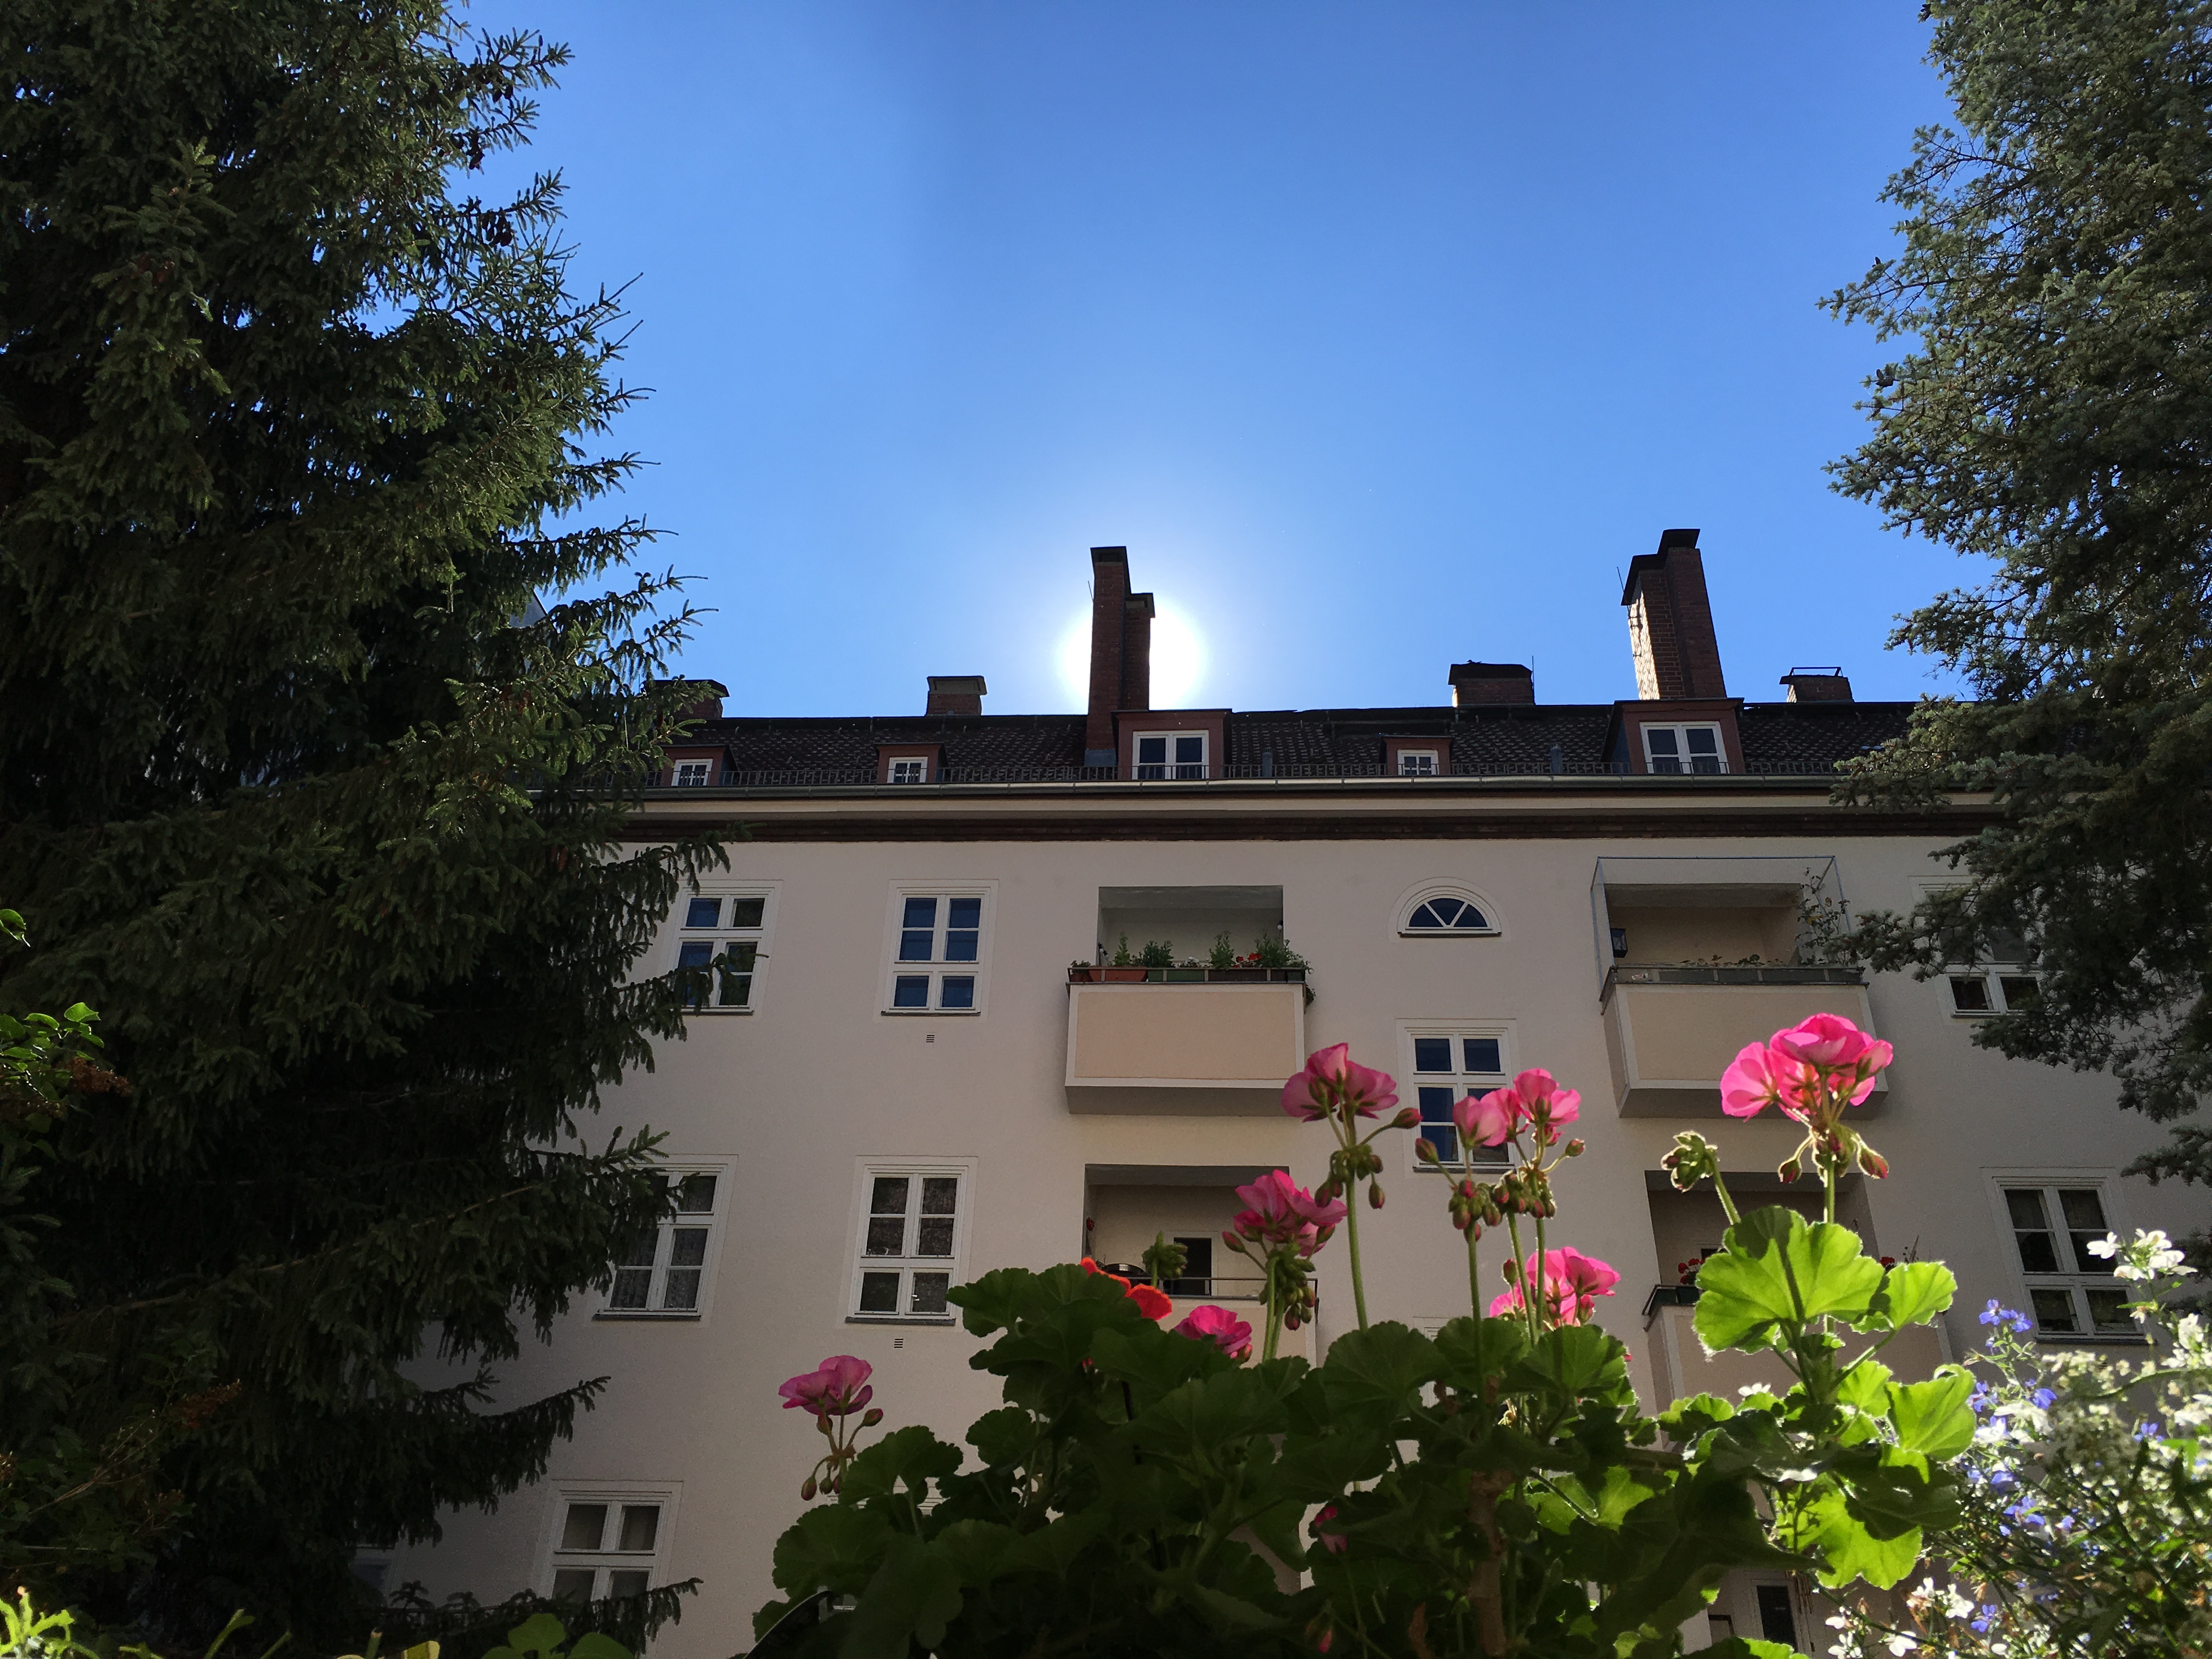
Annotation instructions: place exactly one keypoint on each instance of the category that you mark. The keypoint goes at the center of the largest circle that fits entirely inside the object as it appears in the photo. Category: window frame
(1434, 756)
(553, 1559)
(866, 1172)
(2047, 1182)
(723, 892)
(1681, 729)
(1431, 892)
(939, 968)
(919, 763)
(676, 770)
(1993, 977)
(715, 1225)
(1463, 1080)
(1172, 768)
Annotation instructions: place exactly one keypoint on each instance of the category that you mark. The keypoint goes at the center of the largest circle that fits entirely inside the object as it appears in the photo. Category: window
(693, 775)
(664, 1272)
(1777, 1619)
(722, 940)
(914, 769)
(1171, 755)
(1684, 748)
(1982, 991)
(1417, 762)
(1436, 914)
(2070, 1293)
(607, 1546)
(1447, 1067)
(936, 966)
(910, 1239)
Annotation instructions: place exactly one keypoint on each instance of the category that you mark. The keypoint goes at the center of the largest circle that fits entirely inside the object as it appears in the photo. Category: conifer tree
(300, 785)
(2051, 420)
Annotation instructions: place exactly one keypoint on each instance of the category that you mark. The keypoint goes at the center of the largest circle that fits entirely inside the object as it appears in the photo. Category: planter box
(1237, 975)
(1123, 975)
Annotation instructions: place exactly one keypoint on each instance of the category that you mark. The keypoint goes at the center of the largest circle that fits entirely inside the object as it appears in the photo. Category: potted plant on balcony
(1080, 972)
(1224, 966)
(1125, 969)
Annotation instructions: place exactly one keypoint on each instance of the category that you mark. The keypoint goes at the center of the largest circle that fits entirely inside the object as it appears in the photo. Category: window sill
(691, 1013)
(900, 1319)
(1448, 933)
(649, 1315)
(933, 1013)
(2059, 1339)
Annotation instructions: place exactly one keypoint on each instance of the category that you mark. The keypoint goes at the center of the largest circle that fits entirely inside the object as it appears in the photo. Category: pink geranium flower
(1332, 1078)
(1335, 1543)
(1283, 1212)
(1757, 1078)
(1847, 1059)
(1216, 1325)
(1572, 1283)
(836, 1387)
(1543, 1102)
(1489, 1121)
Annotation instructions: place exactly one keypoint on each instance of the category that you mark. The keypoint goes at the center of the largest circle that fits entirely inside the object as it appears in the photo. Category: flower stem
(1274, 1303)
(1358, 1286)
(1720, 1185)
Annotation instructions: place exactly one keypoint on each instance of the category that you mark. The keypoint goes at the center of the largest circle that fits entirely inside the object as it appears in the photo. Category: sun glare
(1178, 659)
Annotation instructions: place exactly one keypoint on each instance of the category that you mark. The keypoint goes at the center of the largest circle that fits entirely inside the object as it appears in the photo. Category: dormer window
(1688, 748)
(914, 769)
(1417, 762)
(1171, 755)
(692, 774)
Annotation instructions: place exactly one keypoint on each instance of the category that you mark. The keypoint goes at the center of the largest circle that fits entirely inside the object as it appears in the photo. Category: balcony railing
(1133, 975)
(1215, 1287)
(857, 777)
(1736, 974)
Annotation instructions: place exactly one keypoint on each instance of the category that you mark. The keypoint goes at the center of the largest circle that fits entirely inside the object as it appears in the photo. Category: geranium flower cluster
(1812, 1073)
(1282, 1228)
(1572, 1282)
(834, 1391)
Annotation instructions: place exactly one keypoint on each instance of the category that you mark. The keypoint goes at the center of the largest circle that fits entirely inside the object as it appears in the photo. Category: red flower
(1150, 1302)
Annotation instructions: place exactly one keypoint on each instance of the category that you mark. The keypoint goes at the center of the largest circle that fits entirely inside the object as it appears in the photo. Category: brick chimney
(1121, 653)
(1475, 682)
(1817, 685)
(956, 694)
(1670, 622)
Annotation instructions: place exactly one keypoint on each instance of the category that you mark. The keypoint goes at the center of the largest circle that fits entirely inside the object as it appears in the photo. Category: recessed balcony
(1671, 1031)
(1187, 1050)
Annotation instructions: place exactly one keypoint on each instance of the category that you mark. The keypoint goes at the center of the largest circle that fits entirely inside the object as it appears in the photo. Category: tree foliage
(301, 786)
(2051, 421)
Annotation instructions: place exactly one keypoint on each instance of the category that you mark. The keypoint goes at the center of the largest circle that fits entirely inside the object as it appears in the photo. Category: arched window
(1447, 913)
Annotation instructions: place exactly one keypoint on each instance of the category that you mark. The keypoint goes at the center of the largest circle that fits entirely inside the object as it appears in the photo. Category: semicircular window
(1446, 915)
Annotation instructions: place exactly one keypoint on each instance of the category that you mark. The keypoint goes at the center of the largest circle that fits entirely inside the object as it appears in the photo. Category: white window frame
(915, 1170)
(1173, 763)
(1681, 729)
(712, 1221)
(939, 967)
(2074, 1281)
(691, 774)
(1421, 896)
(1993, 977)
(1461, 1081)
(915, 766)
(1406, 768)
(554, 1558)
(726, 937)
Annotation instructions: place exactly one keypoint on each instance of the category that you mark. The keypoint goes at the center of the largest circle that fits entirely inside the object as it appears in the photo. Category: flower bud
(1425, 1150)
(822, 1424)
(1492, 1215)
(1374, 1195)
(806, 1490)
(875, 1416)
(1467, 1187)
(1408, 1118)
(1574, 1149)
(1790, 1170)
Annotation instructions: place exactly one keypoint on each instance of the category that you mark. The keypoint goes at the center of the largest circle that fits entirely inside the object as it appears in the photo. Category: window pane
(629, 1287)
(929, 1291)
(886, 1235)
(879, 1292)
(1704, 740)
(641, 1251)
(695, 1196)
(959, 992)
(1444, 1138)
(1482, 1054)
(1432, 1053)
(2054, 1311)
(1436, 1104)
(627, 1581)
(941, 1194)
(915, 944)
(910, 990)
(573, 1584)
(696, 953)
(2026, 1205)
(921, 913)
(1660, 739)
(680, 1293)
(747, 912)
(1190, 749)
(888, 1196)
(1154, 749)
(934, 1237)
(2037, 1253)
(2083, 1208)
(1425, 915)
(2019, 989)
(1970, 994)
(1470, 917)
(2108, 1311)
(964, 913)
(704, 912)
(586, 1525)
(737, 974)
(687, 1249)
(640, 1525)
(960, 945)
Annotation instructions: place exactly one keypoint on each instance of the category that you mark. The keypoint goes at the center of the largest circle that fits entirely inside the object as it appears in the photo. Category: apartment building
(926, 1053)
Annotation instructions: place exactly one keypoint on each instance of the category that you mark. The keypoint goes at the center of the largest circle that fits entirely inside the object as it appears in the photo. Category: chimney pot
(1670, 622)
(1491, 683)
(1817, 685)
(956, 694)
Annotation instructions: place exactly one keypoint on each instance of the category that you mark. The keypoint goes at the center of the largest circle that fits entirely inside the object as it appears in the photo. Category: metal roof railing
(864, 777)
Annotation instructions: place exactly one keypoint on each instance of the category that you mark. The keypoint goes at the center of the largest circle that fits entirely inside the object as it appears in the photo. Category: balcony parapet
(1734, 973)
(1671, 1032)
(1184, 1049)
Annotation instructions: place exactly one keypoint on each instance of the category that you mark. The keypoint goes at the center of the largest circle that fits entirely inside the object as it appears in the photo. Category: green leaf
(911, 1455)
(831, 1546)
(1933, 1417)
(1474, 1350)
(1375, 1373)
(910, 1600)
(1003, 1437)
(540, 1633)
(1847, 1550)
(1777, 1272)
(1912, 1293)
(591, 1645)
(1745, 1647)
(1572, 1361)
(1155, 1362)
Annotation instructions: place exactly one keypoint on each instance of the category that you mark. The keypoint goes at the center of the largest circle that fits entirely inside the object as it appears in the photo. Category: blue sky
(1383, 336)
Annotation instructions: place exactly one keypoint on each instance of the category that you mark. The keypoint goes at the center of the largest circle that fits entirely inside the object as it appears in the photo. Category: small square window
(693, 775)
(959, 991)
(913, 770)
(910, 990)
(1677, 749)
(1417, 762)
(1970, 994)
(1168, 755)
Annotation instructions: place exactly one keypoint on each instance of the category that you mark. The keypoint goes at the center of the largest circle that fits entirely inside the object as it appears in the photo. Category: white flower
(2107, 1247)
(1902, 1643)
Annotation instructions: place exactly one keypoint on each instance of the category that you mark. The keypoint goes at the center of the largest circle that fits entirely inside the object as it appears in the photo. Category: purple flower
(2042, 1397)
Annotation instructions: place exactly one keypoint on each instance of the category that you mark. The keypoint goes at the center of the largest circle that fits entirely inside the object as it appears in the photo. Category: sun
(1178, 659)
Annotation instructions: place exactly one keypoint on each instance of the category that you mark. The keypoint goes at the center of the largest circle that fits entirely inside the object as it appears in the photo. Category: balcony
(1671, 1031)
(1680, 1367)
(1202, 1045)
